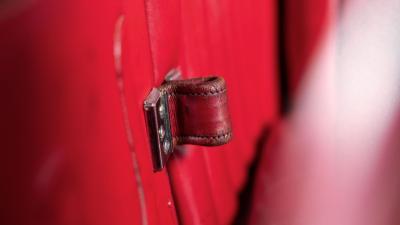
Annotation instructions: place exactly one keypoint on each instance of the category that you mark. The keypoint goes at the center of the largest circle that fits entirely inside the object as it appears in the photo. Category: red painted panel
(74, 124)
(73, 121)
(236, 40)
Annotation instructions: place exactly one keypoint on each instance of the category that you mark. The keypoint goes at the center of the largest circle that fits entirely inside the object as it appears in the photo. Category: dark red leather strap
(198, 111)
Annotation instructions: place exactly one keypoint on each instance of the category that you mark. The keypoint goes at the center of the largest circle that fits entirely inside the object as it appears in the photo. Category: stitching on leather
(206, 137)
(210, 93)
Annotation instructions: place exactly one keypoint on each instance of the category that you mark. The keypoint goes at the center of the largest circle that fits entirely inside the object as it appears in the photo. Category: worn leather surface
(198, 111)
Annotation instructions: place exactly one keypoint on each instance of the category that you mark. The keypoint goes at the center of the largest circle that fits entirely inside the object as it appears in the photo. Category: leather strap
(198, 111)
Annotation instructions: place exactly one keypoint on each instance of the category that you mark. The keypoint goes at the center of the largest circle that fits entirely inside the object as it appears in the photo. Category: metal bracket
(158, 127)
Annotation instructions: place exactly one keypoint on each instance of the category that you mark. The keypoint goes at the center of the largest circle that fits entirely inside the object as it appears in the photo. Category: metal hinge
(158, 127)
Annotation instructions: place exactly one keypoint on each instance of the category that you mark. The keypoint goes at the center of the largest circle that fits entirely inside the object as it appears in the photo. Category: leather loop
(198, 111)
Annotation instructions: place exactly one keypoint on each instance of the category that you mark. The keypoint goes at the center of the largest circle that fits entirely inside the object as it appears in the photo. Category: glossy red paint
(75, 74)
(226, 38)
(74, 125)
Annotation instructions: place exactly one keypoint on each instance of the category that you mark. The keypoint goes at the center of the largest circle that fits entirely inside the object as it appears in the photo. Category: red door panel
(74, 127)
(73, 122)
(228, 38)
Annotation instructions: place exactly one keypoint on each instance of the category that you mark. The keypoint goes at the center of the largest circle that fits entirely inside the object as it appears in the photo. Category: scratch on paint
(128, 129)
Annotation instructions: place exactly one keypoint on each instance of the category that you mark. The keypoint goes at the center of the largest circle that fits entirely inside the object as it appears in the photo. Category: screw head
(167, 147)
(161, 110)
(161, 132)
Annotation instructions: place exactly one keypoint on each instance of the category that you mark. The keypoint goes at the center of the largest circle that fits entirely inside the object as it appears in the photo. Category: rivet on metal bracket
(158, 127)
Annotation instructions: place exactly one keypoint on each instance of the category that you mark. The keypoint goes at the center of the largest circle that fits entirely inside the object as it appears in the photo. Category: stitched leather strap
(198, 111)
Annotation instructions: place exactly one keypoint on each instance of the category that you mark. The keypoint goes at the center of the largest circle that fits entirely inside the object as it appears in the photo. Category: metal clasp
(158, 127)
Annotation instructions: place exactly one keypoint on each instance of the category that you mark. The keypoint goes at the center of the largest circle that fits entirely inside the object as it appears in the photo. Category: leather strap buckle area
(192, 111)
